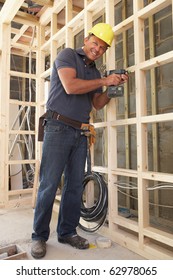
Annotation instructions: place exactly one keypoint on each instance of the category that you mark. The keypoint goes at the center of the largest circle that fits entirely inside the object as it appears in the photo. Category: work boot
(38, 249)
(75, 241)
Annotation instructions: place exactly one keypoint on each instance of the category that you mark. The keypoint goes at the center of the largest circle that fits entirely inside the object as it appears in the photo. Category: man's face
(94, 47)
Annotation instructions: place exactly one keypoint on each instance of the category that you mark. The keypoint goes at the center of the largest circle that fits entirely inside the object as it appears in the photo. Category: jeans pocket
(55, 133)
(54, 126)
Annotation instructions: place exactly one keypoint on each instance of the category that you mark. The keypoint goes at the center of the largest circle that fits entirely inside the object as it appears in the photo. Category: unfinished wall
(159, 87)
(134, 148)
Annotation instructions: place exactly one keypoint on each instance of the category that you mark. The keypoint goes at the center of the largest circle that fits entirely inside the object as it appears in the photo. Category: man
(76, 86)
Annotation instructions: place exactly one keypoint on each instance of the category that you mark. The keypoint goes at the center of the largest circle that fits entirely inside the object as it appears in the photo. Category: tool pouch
(92, 137)
(89, 131)
(41, 127)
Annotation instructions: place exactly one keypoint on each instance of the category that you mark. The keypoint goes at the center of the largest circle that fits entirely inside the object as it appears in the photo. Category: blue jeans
(64, 152)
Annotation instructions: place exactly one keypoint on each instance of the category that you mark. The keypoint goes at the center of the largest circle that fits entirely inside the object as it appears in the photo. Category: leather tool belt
(86, 129)
(54, 115)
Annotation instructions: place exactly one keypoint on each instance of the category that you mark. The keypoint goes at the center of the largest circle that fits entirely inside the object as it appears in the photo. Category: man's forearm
(79, 86)
(100, 100)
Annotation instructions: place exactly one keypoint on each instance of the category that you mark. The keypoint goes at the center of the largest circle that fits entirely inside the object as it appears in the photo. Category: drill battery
(116, 91)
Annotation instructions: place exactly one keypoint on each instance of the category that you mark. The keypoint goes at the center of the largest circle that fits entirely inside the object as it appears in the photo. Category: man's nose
(97, 48)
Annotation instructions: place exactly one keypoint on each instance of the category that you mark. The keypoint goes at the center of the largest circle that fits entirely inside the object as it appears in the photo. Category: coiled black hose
(97, 212)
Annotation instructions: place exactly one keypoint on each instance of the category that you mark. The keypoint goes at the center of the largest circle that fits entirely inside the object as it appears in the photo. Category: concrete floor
(16, 228)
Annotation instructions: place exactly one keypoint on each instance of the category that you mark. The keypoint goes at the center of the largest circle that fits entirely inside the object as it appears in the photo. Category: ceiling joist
(48, 3)
(24, 18)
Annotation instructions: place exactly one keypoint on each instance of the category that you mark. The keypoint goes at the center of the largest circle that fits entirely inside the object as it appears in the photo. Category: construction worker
(76, 87)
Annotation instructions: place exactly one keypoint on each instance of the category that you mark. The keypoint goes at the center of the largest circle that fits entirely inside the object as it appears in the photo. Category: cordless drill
(115, 91)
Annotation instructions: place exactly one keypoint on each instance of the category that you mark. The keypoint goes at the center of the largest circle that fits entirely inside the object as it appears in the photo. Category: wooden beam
(157, 61)
(15, 30)
(19, 192)
(57, 7)
(22, 30)
(9, 10)
(27, 19)
(77, 9)
(16, 51)
(153, 8)
(22, 103)
(23, 47)
(48, 3)
(4, 109)
(22, 74)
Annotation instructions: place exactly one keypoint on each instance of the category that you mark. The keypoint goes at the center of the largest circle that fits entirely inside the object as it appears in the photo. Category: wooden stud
(4, 111)
(36, 182)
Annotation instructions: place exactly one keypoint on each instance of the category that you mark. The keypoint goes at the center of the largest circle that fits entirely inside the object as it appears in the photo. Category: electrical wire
(160, 186)
(124, 185)
(13, 175)
(131, 186)
(150, 203)
(95, 215)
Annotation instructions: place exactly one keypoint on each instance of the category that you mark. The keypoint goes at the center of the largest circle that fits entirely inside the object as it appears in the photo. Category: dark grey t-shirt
(74, 106)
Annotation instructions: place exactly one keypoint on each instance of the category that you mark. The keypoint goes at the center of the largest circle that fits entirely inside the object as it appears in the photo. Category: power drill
(115, 91)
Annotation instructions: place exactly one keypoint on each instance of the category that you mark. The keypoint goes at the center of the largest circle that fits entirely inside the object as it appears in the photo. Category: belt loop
(49, 114)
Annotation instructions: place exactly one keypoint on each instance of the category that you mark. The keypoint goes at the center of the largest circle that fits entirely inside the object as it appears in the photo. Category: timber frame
(48, 34)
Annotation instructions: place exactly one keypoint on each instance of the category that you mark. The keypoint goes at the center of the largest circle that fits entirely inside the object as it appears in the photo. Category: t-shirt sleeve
(65, 59)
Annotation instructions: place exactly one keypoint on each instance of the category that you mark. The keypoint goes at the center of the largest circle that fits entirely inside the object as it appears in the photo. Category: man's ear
(85, 40)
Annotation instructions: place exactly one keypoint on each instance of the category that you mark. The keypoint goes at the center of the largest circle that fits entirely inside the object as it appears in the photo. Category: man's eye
(103, 49)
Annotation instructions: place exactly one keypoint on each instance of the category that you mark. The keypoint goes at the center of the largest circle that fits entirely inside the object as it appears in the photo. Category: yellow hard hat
(103, 31)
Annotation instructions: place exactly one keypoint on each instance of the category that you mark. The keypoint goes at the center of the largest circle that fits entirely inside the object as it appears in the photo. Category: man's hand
(115, 79)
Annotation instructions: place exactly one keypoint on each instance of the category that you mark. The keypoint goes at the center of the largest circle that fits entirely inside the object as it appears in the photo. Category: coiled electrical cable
(96, 214)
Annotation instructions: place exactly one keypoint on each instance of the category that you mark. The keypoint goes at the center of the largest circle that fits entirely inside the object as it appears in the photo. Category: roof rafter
(9, 10)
